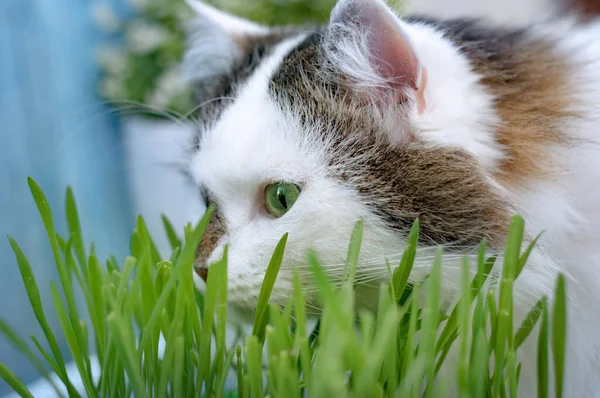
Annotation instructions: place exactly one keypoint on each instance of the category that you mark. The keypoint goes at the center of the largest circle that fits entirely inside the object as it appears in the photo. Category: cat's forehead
(255, 139)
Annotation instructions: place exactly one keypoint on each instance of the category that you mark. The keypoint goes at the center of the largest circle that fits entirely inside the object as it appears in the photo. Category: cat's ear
(216, 40)
(370, 47)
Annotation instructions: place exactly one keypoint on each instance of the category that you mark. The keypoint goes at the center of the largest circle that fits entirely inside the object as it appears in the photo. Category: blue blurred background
(54, 128)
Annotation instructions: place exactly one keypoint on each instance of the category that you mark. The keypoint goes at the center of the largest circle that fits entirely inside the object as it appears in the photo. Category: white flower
(168, 86)
(112, 59)
(105, 17)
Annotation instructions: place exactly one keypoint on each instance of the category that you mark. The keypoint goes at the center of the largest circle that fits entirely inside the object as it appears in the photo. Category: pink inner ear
(392, 53)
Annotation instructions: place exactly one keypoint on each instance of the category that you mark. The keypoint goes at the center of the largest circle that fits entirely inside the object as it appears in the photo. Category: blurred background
(90, 96)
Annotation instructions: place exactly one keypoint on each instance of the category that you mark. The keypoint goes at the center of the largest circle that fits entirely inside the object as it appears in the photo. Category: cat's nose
(202, 273)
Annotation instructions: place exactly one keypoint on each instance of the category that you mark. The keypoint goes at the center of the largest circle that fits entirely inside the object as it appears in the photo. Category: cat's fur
(460, 123)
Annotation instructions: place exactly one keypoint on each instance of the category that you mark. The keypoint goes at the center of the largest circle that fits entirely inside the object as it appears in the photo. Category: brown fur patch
(215, 230)
(589, 8)
(532, 85)
(442, 187)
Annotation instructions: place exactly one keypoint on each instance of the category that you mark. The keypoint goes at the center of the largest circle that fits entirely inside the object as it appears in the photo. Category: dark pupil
(281, 197)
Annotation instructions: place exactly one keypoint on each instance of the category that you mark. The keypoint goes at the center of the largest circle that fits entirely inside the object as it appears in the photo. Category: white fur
(256, 142)
(502, 12)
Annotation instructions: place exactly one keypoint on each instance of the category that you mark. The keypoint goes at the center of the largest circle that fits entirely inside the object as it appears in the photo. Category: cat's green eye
(280, 197)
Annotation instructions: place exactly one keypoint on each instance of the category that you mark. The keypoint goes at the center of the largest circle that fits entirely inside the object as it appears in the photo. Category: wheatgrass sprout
(398, 350)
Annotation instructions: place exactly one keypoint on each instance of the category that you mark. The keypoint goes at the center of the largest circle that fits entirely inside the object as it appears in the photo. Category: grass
(396, 351)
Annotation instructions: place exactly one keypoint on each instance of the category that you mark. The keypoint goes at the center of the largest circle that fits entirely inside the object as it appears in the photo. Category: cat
(460, 123)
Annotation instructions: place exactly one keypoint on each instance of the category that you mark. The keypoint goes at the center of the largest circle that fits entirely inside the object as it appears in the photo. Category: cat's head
(305, 131)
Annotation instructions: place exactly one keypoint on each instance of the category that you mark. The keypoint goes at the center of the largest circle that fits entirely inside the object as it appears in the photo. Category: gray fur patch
(215, 93)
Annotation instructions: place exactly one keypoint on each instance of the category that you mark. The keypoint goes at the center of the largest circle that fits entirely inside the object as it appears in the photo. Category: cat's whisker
(201, 105)
(173, 116)
(367, 264)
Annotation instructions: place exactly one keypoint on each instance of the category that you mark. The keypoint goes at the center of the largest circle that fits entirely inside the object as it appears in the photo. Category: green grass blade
(401, 274)
(452, 323)
(75, 231)
(559, 331)
(14, 382)
(51, 361)
(174, 240)
(302, 342)
(147, 241)
(529, 323)
(261, 318)
(325, 288)
(221, 310)
(214, 285)
(33, 294)
(254, 364)
(14, 338)
(464, 322)
(177, 379)
(187, 257)
(46, 214)
(430, 320)
(239, 370)
(127, 354)
(543, 357)
(72, 340)
(96, 280)
(220, 391)
(525, 256)
(478, 370)
(504, 335)
(353, 253)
